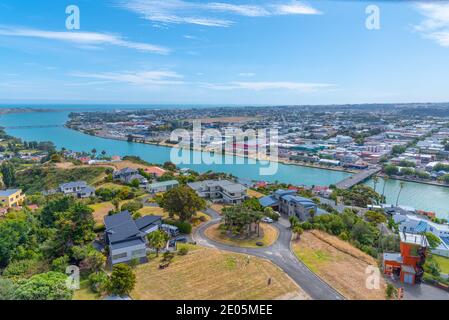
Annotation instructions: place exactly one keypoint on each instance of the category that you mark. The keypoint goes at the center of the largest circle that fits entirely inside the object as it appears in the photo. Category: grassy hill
(41, 178)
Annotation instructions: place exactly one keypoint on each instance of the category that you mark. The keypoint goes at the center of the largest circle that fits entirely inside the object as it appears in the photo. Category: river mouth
(48, 126)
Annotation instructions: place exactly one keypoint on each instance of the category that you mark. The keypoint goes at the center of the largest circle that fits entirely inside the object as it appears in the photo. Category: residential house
(162, 186)
(408, 264)
(220, 191)
(11, 198)
(289, 203)
(126, 237)
(155, 172)
(79, 189)
(128, 175)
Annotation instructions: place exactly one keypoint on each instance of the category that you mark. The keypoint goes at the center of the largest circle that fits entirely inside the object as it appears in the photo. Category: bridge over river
(357, 178)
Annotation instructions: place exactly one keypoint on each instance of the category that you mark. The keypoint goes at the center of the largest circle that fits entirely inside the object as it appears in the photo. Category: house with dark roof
(289, 203)
(128, 175)
(126, 237)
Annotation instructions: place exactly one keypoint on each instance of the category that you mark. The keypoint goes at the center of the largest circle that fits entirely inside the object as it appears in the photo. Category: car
(267, 220)
(181, 239)
(172, 243)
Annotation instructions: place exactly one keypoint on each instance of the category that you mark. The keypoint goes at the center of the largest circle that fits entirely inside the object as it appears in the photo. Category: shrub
(99, 227)
(183, 251)
(98, 282)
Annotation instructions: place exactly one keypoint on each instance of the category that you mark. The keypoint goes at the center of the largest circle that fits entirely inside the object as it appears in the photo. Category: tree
(375, 217)
(376, 181)
(170, 166)
(239, 219)
(298, 231)
(391, 170)
(183, 202)
(9, 175)
(116, 203)
(122, 280)
(44, 286)
(433, 240)
(390, 291)
(7, 289)
(383, 189)
(401, 186)
(293, 221)
(132, 206)
(158, 240)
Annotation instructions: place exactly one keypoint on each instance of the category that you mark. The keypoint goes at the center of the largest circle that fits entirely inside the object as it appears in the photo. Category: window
(119, 256)
(138, 253)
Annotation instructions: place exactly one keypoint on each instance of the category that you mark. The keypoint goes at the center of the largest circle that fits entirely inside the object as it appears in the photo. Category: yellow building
(11, 198)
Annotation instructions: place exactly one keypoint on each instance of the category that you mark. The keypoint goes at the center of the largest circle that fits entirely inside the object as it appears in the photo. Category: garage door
(408, 278)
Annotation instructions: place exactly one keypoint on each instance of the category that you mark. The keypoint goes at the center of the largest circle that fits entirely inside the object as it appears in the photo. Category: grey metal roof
(127, 243)
(147, 221)
(120, 227)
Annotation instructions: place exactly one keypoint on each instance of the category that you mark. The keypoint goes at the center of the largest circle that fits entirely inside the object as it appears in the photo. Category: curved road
(279, 253)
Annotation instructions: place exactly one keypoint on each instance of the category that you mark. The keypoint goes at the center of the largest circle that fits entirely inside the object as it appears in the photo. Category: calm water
(420, 196)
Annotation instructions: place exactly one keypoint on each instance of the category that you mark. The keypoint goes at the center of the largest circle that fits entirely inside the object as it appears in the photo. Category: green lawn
(84, 293)
(443, 262)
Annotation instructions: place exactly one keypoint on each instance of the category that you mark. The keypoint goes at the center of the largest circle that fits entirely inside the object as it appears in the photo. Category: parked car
(172, 243)
(181, 239)
(267, 220)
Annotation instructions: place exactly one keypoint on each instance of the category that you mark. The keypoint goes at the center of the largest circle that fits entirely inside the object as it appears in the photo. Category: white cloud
(247, 74)
(436, 23)
(260, 86)
(295, 7)
(138, 78)
(86, 39)
(205, 14)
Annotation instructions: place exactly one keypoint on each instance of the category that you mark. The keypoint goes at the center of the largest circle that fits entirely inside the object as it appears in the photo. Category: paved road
(280, 254)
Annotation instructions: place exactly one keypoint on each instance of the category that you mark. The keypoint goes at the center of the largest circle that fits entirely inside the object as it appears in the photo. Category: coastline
(282, 161)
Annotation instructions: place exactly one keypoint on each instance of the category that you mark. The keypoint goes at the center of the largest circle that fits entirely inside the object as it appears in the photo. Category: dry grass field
(339, 264)
(213, 274)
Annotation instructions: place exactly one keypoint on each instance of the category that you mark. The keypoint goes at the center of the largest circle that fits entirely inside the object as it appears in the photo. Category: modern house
(79, 189)
(128, 175)
(220, 191)
(408, 264)
(162, 186)
(417, 225)
(289, 203)
(11, 198)
(126, 237)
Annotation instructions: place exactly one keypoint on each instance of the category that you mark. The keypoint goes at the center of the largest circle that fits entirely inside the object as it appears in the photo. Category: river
(420, 196)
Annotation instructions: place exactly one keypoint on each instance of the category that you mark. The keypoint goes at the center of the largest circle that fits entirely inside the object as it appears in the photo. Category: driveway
(279, 253)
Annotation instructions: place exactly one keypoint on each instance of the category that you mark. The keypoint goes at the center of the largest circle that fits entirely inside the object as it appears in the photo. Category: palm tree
(401, 186)
(376, 181)
(298, 231)
(94, 151)
(158, 240)
(385, 183)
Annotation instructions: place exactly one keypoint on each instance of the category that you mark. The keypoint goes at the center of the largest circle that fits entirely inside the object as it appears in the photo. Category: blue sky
(223, 52)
